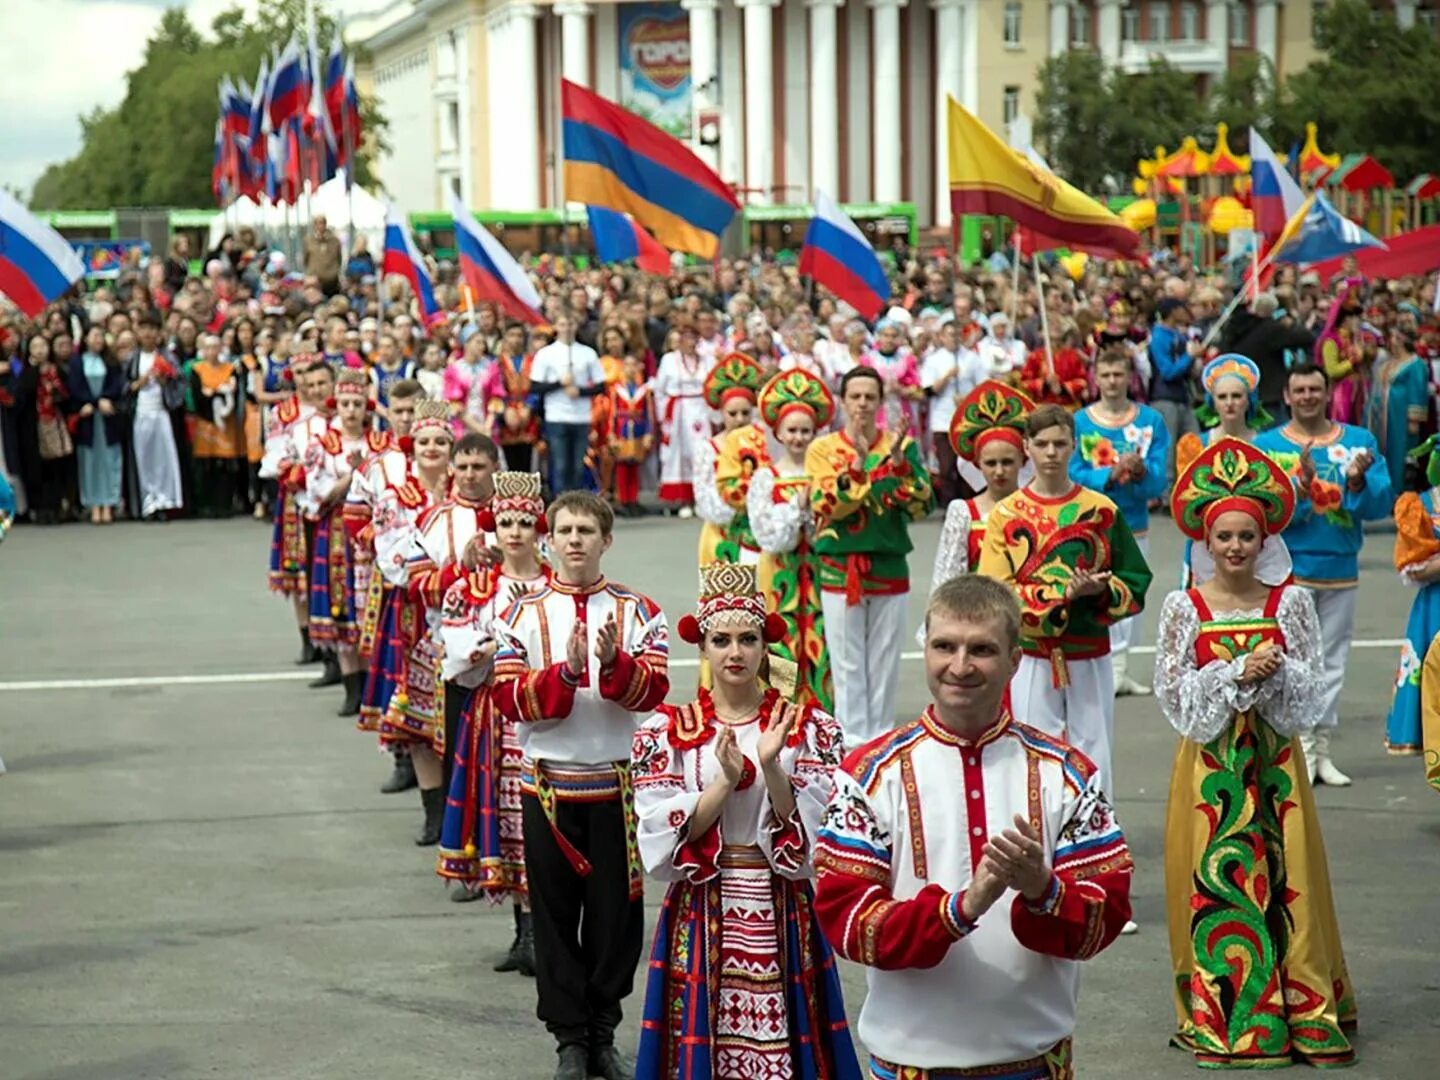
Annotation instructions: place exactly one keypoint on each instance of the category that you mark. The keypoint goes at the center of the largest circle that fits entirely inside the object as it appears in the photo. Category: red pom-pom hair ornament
(541, 527)
(330, 403)
(689, 629)
(774, 628)
(407, 444)
(485, 519)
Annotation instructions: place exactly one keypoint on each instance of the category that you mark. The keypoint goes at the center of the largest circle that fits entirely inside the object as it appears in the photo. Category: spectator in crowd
(322, 255)
(96, 386)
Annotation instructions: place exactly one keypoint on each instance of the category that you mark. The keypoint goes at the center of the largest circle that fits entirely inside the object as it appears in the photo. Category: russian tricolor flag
(618, 238)
(490, 270)
(36, 264)
(837, 255)
(403, 257)
(1275, 198)
(289, 87)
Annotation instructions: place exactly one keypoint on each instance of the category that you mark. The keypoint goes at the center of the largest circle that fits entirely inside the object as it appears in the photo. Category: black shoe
(402, 777)
(525, 950)
(308, 653)
(510, 961)
(354, 687)
(606, 1061)
(434, 803)
(330, 676)
(572, 1064)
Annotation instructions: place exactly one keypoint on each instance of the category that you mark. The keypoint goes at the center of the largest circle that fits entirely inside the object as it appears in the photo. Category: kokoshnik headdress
(796, 390)
(730, 596)
(517, 494)
(1233, 475)
(737, 375)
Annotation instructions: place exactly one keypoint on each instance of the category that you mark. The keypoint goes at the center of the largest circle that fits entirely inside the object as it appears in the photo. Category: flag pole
(1015, 274)
(1044, 315)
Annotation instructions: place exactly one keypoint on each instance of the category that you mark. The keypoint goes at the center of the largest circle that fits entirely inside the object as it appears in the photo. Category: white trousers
(1125, 634)
(1336, 608)
(864, 643)
(1083, 713)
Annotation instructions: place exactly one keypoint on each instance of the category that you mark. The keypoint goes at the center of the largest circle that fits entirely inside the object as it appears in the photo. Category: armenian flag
(490, 270)
(36, 264)
(988, 177)
(837, 255)
(617, 238)
(620, 161)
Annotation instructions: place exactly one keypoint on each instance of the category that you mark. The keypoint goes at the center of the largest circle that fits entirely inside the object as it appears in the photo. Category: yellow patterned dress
(1259, 973)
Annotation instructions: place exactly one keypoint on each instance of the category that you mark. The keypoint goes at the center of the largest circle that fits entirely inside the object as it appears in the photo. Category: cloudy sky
(67, 74)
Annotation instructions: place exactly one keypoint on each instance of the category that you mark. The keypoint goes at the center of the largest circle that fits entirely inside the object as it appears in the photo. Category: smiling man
(932, 826)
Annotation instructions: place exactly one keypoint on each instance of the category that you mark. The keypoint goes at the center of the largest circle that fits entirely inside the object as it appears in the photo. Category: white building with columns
(844, 95)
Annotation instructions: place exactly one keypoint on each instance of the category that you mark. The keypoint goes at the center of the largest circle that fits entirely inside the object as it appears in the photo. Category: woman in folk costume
(904, 400)
(684, 417)
(988, 434)
(1399, 401)
(403, 663)
(481, 843)
(1259, 975)
(731, 388)
(796, 405)
(1417, 559)
(336, 607)
(1345, 350)
(729, 793)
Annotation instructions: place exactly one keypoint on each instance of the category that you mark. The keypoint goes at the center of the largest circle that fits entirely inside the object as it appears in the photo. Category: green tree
(156, 147)
(1158, 107)
(1372, 92)
(1245, 97)
(1073, 117)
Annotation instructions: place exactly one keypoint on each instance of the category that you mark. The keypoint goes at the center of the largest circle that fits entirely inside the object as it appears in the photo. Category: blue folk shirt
(1099, 445)
(1325, 535)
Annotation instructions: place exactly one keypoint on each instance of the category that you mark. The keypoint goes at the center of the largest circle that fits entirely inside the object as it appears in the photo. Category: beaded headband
(729, 596)
(518, 494)
(431, 416)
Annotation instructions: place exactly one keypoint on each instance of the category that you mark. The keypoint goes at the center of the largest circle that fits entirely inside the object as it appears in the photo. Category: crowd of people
(443, 498)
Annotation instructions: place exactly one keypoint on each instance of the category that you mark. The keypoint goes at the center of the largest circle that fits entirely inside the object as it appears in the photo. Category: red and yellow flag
(988, 177)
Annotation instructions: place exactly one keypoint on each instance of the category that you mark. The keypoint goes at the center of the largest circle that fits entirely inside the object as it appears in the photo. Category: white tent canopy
(329, 200)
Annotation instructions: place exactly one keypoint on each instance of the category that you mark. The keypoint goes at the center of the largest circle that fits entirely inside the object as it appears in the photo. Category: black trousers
(455, 698)
(588, 932)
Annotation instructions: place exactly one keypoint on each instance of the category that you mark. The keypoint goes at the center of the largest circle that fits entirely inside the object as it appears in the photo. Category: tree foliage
(156, 146)
(1371, 91)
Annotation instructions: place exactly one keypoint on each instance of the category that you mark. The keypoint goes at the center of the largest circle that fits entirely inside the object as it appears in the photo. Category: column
(759, 99)
(1109, 30)
(1059, 26)
(464, 95)
(519, 153)
(1266, 30)
(885, 98)
(824, 99)
(1405, 13)
(1217, 27)
(949, 82)
(704, 68)
(575, 41)
(498, 76)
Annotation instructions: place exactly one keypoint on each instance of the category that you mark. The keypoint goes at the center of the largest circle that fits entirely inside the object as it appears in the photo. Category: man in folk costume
(481, 845)
(386, 470)
(685, 420)
(729, 792)
(1073, 563)
(630, 435)
(724, 464)
(295, 423)
(866, 486)
(579, 663)
(1121, 450)
(330, 463)
(450, 539)
(969, 860)
(1343, 482)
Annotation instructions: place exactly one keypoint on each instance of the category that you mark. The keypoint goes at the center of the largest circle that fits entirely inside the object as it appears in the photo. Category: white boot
(1124, 685)
(1307, 747)
(1325, 769)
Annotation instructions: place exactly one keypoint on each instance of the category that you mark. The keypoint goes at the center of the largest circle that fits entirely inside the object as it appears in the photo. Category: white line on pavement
(162, 681)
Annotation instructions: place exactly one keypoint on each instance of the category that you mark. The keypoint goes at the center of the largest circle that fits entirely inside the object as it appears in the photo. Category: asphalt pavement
(199, 877)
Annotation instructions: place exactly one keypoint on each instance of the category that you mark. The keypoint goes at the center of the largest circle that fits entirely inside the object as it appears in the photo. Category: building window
(1189, 21)
(1239, 25)
(1012, 23)
(1159, 13)
(1129, 24)
(455, 186)
(1011, 104)
(1080, 26)
(1317, 13)
(1427, 17)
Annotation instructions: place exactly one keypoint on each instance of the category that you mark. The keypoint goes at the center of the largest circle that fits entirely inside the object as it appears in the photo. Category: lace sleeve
(1291, 698)
(1198, 702)
(952, 556)
(708, 503)
(776, 525)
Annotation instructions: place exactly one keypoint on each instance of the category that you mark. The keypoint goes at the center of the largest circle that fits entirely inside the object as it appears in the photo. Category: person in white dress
(685, 420)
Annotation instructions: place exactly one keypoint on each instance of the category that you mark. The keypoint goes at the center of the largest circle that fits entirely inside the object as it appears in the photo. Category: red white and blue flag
(289, 87)
(1275, 197)
(490, 271)
(618, 237)
(837, 255)
(402, 257)
(36, 264)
